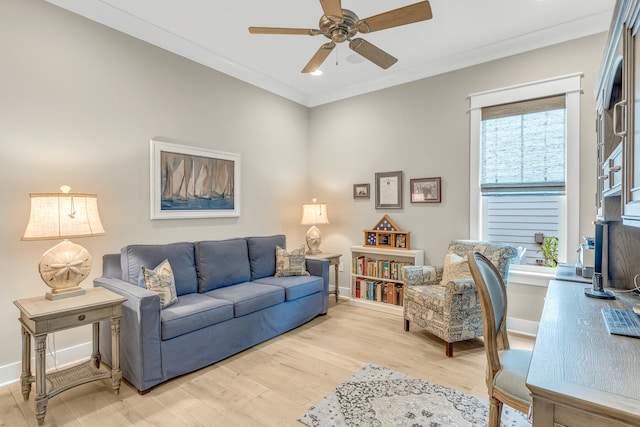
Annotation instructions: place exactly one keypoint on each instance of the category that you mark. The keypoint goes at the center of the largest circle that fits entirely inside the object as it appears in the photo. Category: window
(525, 165)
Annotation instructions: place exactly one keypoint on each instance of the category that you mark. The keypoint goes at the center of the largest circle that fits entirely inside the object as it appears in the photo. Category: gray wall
(422, 129)
(80, 103)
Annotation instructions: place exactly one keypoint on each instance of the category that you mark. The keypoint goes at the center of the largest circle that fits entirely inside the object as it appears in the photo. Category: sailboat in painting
(196, 183)
(203, 182)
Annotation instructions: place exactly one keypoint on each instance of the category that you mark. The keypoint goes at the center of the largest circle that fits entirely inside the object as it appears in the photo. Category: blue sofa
(228, 301)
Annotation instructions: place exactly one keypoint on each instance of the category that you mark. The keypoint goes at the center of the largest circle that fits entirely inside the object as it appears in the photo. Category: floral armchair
(443, 299)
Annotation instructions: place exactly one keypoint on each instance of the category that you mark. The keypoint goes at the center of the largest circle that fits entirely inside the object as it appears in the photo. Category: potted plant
(549, 250)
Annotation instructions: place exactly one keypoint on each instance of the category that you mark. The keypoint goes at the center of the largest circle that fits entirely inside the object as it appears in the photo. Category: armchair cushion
(455, 267)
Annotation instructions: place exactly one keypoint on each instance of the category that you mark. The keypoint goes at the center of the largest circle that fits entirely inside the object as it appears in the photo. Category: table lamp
(63, 216)
(312, 214)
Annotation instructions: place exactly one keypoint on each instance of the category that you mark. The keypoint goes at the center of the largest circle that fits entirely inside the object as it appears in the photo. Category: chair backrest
(493, 300)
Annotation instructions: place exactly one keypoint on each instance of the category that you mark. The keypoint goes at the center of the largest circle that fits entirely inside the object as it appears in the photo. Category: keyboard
(621, 322)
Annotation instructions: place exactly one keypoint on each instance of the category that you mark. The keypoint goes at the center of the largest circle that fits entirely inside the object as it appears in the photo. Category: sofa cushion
(192, 312)
(161, 281)
(262, 254)
(295, 286)
(222, 263)
(180, 256)
(291, 263)
(249, 297)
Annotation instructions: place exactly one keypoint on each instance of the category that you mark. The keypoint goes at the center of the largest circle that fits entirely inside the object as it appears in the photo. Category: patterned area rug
(377, 396)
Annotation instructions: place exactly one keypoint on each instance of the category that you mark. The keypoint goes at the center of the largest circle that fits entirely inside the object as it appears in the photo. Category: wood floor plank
(270, 384)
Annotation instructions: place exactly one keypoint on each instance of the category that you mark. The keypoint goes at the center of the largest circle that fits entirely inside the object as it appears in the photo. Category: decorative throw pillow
(291, 263)
(455, 267)
(161, 280)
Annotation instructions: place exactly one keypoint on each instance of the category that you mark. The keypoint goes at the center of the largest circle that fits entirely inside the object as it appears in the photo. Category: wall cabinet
(618, 92)
(610, 104)
(376, 276)
(618, 143)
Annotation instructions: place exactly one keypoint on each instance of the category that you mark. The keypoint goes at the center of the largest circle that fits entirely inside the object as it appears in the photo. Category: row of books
(382, 268)
(390, 293)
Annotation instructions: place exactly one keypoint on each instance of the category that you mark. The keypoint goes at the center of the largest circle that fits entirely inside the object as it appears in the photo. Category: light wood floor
(270, 384)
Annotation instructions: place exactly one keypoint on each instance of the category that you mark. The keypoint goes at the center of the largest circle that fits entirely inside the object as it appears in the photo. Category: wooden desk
(40, 316)
(334, 259)
(580, 375)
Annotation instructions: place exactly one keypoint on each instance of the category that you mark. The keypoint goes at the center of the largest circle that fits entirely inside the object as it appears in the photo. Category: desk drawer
(565, 416)
(79, 319)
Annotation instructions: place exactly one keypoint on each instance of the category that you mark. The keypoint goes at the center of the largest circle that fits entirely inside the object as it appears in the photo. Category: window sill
(531, 275)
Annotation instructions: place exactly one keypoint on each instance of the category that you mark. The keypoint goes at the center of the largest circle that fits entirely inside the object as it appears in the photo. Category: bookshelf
(376, 276)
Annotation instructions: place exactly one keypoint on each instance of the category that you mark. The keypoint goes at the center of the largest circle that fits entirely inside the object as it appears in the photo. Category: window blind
(523, 147)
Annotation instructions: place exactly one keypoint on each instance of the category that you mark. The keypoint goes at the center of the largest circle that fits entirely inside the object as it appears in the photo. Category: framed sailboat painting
(193, 182)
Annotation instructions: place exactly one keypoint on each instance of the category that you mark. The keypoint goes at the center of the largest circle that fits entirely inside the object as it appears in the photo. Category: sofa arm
(320, 268)
(140, 356)
(420, 275)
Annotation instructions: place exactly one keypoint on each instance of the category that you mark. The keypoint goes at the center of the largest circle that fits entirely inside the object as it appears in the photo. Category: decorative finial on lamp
(63, 216)
(312, 214)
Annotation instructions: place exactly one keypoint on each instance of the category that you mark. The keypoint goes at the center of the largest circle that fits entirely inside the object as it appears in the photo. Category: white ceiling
(461, 33)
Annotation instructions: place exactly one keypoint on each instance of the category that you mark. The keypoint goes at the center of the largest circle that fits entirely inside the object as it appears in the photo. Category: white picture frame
(193, 182)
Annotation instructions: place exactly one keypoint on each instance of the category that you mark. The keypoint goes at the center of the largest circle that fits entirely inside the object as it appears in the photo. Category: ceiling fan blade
(333, 9)
(405, 15)
(319, 57)
(294, 31)
(372, 53)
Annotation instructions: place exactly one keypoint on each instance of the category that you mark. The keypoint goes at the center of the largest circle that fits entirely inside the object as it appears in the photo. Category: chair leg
(495, 412)
(406, 325)
(448, 349)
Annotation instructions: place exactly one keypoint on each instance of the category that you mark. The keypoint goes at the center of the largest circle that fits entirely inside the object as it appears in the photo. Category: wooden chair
(506, 368)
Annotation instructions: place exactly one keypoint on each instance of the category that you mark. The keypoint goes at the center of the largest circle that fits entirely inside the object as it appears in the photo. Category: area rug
(377, 396)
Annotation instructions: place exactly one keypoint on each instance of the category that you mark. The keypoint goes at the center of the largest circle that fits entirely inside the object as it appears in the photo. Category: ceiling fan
(340, 25)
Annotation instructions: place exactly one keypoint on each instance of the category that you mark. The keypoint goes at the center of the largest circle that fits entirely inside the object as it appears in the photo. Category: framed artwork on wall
(361, 191)
(425, 190)
(193, 182)
(389, 190)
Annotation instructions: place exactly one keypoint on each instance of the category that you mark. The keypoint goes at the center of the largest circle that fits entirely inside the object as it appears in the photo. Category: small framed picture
(425, 190)
(389, 190)
(360, 191)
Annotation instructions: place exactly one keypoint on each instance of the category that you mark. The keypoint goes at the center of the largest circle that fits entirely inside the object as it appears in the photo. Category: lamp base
(313, 240)
(63, 267)
(65, 293)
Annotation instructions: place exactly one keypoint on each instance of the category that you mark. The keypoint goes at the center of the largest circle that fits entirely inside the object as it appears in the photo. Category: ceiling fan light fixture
(316, 73)
(341, 25)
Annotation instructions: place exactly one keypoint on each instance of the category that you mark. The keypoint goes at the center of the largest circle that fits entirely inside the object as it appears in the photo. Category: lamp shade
(314, 213)
(63, 216)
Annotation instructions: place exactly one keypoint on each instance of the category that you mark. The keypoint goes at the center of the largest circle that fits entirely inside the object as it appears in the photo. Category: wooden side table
(40, 316)
(334, 259)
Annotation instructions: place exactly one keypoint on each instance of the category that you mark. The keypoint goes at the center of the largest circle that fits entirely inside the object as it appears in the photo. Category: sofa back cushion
(222, 263)
(262, 254)
(181, 258)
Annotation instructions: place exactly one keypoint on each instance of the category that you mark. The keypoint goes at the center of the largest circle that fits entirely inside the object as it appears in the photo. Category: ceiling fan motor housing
(339, 30)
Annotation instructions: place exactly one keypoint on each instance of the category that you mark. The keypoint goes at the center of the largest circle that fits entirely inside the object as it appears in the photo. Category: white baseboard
(522, 326)
(11, 373)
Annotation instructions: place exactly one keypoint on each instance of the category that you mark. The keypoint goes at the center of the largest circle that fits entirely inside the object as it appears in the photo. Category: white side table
(40, 316)
(334, 259)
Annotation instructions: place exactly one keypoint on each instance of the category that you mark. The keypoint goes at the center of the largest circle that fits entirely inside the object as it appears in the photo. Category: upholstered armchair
(443, 299)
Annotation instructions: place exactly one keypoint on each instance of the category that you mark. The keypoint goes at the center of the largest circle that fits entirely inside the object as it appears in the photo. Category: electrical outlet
(341, 267)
